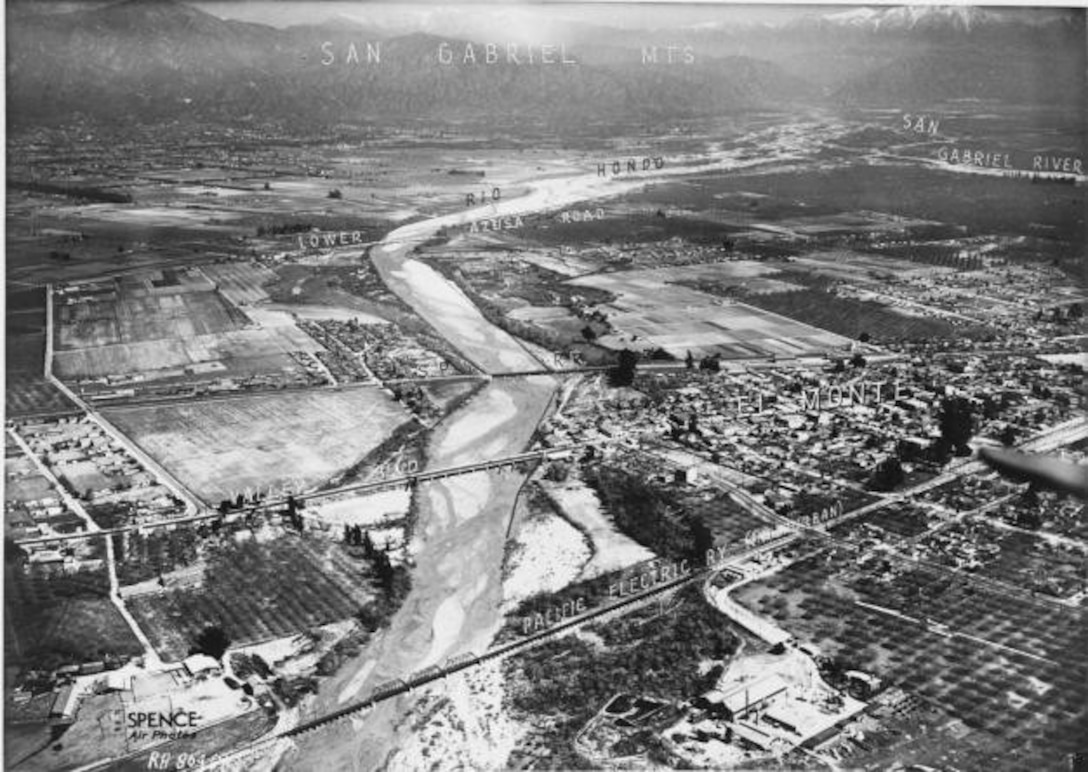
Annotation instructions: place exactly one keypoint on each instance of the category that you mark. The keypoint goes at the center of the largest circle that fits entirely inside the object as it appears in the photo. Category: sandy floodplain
(611, 549)
(549, 553)
(454, 605)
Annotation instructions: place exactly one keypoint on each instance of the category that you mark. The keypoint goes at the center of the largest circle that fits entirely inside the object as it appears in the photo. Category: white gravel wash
(549, 555)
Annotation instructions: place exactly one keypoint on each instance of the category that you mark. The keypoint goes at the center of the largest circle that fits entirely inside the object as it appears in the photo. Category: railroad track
(397, 687)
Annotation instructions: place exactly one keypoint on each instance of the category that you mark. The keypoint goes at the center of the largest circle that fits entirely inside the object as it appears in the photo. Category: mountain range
(153, 60)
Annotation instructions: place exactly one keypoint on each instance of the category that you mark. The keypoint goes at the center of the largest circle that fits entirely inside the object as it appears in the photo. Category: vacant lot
(220, 447)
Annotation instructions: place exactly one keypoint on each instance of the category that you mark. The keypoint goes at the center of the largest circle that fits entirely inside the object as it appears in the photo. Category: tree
(368, 545)
(557, 472)
(1029, 518)
(956, 420)
(623, 374)
(857, 360)
(385, 571)
(702, 538)
(293, 516)
(335, 193)
(711, 363)
(589, 334)
(865, 337)
(212, 641)
(887, 475)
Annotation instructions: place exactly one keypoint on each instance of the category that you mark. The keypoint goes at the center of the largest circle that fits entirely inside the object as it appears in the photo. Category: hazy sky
(412, 15)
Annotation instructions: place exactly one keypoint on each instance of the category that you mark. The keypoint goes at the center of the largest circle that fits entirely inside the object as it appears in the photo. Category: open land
(219, 448)
(787, 254)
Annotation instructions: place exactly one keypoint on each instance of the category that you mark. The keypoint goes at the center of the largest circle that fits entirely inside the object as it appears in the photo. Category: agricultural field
(239, 283)
(140, 557)
(53, 250)
(55, 618)
(852, 318)
(218, 448)
(999, 662)
(151, 306)
(257, 590)
(650, 313)
(26, 391)
(175, 325)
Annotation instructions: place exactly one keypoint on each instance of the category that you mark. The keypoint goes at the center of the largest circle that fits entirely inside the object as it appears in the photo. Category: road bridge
(363, 488)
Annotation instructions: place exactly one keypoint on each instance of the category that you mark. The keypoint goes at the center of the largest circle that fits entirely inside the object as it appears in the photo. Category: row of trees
(386, 574)
(279, 229)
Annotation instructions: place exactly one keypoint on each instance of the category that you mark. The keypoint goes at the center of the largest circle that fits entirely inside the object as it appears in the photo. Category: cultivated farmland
(54, 619)
(173, 324)
(26, 389)
(256, 591)
(218, 448)
(1000, 663)
(649, 312)
(240, 283)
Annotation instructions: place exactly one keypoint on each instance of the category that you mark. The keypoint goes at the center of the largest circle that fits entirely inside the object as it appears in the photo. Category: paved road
(400, 481)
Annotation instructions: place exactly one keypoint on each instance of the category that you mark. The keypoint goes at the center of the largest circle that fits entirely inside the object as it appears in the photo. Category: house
(201, 665)
(65, 705)
(744, 699)
(116, 681)
(686, 476)
(46, 556)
